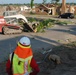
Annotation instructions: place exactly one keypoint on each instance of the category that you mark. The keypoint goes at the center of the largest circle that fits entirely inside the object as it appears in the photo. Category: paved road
(50, 17)
(52, 37)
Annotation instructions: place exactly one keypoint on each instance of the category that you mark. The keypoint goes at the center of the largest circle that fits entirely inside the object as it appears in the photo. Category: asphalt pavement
(52, 37)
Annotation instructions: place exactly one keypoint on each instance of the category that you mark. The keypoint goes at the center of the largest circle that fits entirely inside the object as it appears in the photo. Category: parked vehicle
(66, 15)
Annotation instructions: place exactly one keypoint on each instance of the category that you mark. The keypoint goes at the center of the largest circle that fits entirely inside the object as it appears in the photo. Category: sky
(28, 1)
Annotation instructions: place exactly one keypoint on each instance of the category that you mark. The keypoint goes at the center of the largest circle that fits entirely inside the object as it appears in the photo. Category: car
(66, 15)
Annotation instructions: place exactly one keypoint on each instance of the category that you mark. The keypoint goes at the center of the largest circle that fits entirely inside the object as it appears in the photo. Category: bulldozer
(17, 23)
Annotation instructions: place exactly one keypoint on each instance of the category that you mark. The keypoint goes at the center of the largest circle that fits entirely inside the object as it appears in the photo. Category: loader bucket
(32, 27)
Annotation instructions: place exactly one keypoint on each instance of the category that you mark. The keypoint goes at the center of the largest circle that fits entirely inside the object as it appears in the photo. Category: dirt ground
(67, 53)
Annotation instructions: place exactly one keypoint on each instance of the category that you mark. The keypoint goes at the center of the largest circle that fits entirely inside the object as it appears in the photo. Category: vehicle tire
(68, 17)
(4, 30)
(59, 17)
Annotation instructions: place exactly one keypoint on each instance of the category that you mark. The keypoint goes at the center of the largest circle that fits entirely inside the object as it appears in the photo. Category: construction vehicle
(6, 28)
(9, 13)
(16, 23)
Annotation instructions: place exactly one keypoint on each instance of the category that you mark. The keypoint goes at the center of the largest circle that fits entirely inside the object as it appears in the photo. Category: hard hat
(25, 41)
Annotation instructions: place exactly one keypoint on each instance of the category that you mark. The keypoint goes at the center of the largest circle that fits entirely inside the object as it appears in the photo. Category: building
(25, 8)
(47, 9)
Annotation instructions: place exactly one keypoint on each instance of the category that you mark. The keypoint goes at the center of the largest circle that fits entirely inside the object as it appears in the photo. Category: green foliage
(40, 27)
(31, 19)
(61, 23)
(47, 23)
(55, 1)
(32, 3)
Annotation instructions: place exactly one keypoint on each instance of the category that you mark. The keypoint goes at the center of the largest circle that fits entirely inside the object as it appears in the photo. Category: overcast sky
(28, 1)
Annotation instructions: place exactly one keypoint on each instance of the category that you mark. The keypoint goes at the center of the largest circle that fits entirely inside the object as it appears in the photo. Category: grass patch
(47, 23)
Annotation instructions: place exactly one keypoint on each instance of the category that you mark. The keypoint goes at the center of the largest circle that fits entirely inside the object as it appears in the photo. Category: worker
(21, 61)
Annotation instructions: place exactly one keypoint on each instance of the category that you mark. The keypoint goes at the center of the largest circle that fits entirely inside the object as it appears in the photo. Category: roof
(47, 6)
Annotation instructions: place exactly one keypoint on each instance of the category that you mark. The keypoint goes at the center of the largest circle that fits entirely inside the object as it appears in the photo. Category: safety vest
(23, 55)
